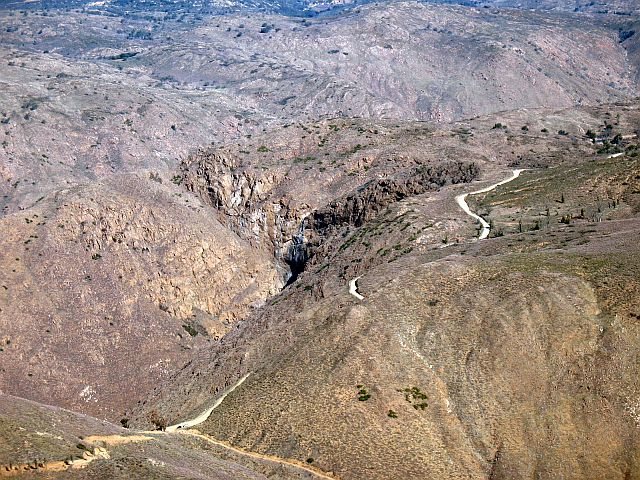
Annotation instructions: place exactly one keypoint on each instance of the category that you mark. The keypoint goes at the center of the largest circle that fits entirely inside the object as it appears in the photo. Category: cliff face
(368, 200)
(253, 204)
(259, 207)
(104, 291)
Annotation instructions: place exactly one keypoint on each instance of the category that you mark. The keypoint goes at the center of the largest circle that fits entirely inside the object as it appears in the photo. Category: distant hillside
(399, 60)
(307, 8)
(613, 7)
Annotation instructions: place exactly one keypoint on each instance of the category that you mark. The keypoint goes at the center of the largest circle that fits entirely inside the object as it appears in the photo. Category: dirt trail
(182, 428)
(92, 453)
(260, 456)
(114, 440)
(353, 288)
(204, 415)
(462, 202)
(101, 453)
(14, 470)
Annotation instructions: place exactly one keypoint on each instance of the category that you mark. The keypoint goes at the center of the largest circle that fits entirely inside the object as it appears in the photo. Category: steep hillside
(107, 287)
(104, 292)
(259, 207)
(508, 357)
(47, 442)
(144, 270)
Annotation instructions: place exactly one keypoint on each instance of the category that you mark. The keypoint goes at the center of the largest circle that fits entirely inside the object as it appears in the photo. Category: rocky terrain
(430, 364)
(194, 195)
(377, 61)
(611, 7)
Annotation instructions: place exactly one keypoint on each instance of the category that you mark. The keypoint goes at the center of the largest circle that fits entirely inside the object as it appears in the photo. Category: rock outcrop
(259, 206)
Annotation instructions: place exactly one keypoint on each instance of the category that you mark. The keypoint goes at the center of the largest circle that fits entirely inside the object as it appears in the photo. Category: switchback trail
(462, 202)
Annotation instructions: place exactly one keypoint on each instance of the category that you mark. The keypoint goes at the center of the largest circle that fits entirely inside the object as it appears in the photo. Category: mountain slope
(392, 61)
(50, 442)
(510, 357)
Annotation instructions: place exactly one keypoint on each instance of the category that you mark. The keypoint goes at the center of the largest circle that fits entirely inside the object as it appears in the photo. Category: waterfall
(297, 254)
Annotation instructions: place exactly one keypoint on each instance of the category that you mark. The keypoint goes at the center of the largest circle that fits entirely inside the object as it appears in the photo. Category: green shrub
(363, 394)
(190, 330)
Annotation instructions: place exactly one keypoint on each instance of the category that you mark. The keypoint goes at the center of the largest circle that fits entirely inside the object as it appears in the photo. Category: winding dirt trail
(88, 456)
(462, 202)
(183, 428)
(96, 448)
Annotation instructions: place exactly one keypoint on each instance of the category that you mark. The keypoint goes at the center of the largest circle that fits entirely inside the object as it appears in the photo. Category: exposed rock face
(248, 202)
(364, 204)
(104, 292)
(259, 207)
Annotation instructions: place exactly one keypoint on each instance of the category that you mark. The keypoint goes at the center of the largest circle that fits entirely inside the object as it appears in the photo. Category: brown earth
(144, 270)
(507, 358)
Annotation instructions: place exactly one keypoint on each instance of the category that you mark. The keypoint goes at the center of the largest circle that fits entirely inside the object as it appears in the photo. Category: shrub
(157, 420)
(415, 397)
(190, 330)
(363, 394)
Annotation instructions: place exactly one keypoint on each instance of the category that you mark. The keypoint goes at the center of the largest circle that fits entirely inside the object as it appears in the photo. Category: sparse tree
(158, 420)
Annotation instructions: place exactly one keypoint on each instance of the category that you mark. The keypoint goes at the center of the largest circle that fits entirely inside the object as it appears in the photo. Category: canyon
(319, 239)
